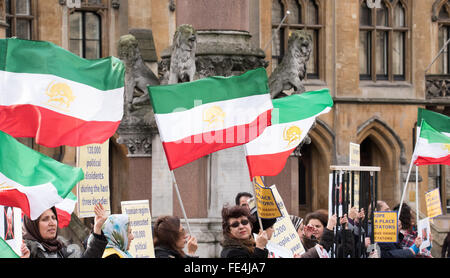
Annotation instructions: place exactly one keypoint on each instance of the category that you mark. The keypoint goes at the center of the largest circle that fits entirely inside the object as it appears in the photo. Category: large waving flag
(292, 118)
(433, 143)
(53, 95)
(32, 181)
(207, 115)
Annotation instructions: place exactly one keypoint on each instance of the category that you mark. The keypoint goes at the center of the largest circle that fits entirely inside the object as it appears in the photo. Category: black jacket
(95, 248)
(165, 252)
(234, 249)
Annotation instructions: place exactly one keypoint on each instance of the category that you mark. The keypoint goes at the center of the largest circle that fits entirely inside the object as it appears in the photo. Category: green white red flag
(207, 115)
(56, 97)
(292, 118)
(6, 251)
(433, 143)
(32, 181)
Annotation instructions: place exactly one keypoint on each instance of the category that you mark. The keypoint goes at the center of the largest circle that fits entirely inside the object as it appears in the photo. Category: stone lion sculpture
(292, 69)
(137, 75)
(182, 60)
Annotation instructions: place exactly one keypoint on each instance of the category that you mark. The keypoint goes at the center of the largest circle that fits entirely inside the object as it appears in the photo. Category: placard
(424, 231)
(265, 202)
(433, 203)
(94, 160)
(141, 227)
(11, 227)
(355, 160)
(385, 226)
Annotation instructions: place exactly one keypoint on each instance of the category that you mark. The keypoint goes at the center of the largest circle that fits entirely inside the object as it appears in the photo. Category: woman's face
(130, 237)
(240, 228)
(182, 239)
(318, 231)
(48, 225)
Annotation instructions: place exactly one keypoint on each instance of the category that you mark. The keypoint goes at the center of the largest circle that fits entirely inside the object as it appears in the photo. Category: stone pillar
(3, 24)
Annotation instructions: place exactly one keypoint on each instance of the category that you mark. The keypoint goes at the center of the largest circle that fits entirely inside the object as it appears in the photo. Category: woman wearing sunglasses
(237, 232)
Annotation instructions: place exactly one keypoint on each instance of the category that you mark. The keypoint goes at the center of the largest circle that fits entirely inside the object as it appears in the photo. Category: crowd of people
(243, 236)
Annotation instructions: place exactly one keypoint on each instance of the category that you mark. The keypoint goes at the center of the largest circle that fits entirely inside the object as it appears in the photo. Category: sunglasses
(235, 224)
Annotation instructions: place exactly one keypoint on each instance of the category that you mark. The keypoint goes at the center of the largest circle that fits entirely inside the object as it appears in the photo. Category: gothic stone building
(378, 63)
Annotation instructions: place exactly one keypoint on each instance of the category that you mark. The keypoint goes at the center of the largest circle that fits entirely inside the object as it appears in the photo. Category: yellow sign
(140, 223)
(385, 226)
(266, 205)
(94, 161)
(433, 201)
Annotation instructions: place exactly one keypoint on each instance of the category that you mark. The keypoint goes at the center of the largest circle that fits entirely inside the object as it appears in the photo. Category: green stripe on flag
(438, 121)
(170, 98)
(29, 167)
(298, 107)
(6, 251)
(432, 135)
(41, 57)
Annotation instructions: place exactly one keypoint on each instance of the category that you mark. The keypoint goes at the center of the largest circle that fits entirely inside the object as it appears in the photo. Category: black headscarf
(31, 232)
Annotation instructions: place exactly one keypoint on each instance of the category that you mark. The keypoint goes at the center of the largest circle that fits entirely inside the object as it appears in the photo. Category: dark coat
(166, 252)
(233, 249)
(446, 247)
(394, 250)
(95, 248)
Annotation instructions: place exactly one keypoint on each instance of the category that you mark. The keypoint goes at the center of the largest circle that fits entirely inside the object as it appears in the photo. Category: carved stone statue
(137, 77)
(292, 69)
(182, 61)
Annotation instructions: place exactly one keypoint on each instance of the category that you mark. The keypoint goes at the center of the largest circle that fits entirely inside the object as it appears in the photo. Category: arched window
(444, 35)
(304, 15)
(382, 40)
(20, 17)
(85, 30)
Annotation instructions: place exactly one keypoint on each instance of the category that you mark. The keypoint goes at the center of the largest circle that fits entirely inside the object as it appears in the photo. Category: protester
(238, 240)
(409, 231)
(298, 224)
(242, 199)
(170, 239)
(446, 247)
(117, 231)
(41, 237)
(355, 219)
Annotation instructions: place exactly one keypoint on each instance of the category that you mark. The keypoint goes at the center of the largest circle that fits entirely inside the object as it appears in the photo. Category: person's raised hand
(25, 251)
(261, 239)
(192, 245)
(332, 222)
(99, 219)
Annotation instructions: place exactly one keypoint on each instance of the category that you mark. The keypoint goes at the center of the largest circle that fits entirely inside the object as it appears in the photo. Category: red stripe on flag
(63, 218)
(267, 164)
(422, 160)
(15, 198)
(183, 151)
(52, 129)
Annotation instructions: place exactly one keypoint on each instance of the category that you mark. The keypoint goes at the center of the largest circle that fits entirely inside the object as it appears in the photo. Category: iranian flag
(292, 118)
(32, 181)
(207, 115)
(64, 210)
(433, 143)
(56, 97)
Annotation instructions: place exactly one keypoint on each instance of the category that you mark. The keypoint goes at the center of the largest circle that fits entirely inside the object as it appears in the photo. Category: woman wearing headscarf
(170, 238)
(238, 240)
(41, 237)
(117, 231)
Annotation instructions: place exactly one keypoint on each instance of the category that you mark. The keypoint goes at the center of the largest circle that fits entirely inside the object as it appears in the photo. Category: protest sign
(424, 231)
(11, 227)
(355, 160)
(285, 234)
(433, 203)
(265, 202)
(276, 251)
(141, 226)
(385, 226)
(94, 160)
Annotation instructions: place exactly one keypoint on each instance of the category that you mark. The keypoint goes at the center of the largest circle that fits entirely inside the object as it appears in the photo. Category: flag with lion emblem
(51, 94)
(292, 118)
(207, 115)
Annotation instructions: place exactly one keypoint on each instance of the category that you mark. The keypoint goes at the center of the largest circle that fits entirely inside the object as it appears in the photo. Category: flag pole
(256, 204)
(174, 182)
(417, 194)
